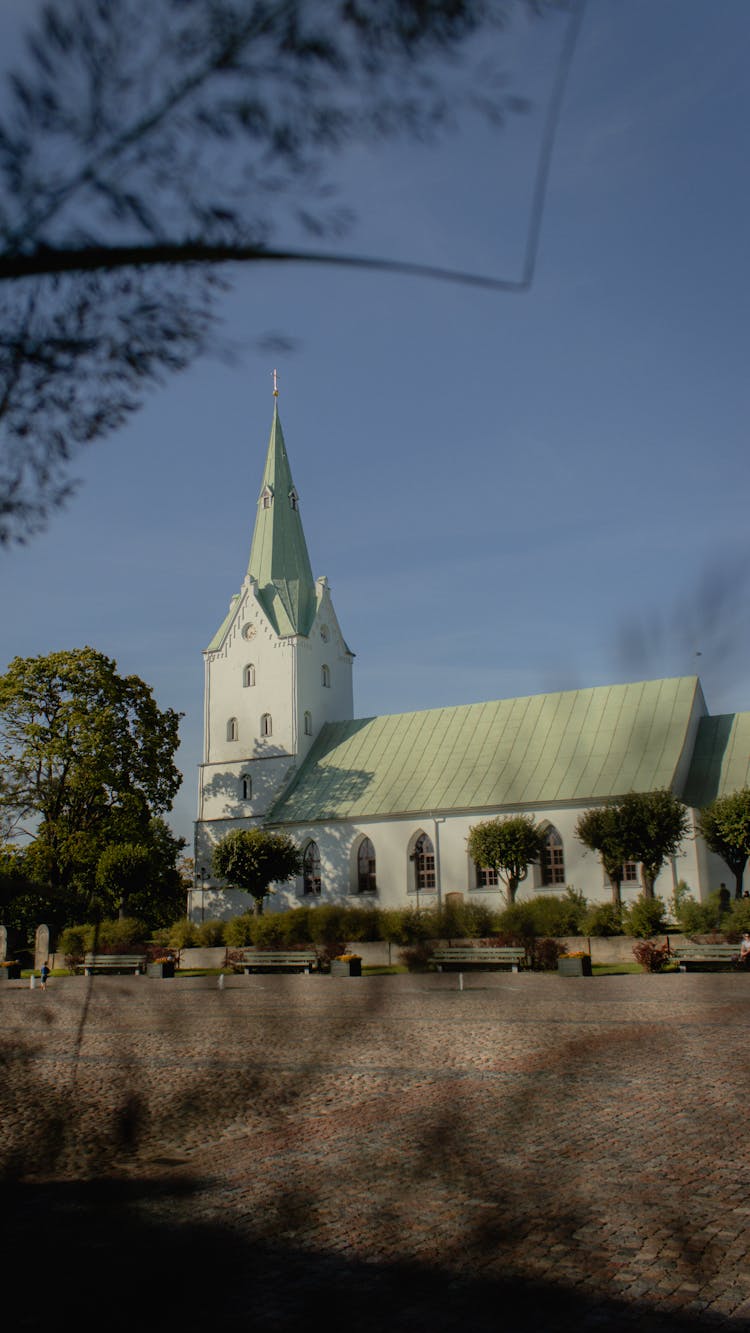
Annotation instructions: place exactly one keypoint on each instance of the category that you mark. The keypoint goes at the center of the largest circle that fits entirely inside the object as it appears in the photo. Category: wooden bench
(289, 960)
(113, 962)
(507, 957)
(705, 957)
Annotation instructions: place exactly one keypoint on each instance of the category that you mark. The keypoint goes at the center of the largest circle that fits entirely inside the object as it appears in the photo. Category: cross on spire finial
(275, 385)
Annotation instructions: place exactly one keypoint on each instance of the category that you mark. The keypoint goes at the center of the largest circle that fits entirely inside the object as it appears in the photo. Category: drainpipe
(437, 820)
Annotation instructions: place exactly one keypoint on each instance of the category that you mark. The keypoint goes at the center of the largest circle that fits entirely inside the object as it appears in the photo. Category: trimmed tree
(509, 846)
(599, 829)
(253, 860)
(724, 826)
(653, 825)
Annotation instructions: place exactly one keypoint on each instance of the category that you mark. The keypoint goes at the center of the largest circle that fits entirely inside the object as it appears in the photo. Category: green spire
(278, 557)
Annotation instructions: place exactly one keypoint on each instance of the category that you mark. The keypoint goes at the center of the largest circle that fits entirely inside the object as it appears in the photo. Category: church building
(382, 806)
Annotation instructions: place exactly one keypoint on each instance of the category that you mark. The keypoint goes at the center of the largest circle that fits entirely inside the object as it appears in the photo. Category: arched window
(423, 858)
(266, 498)
(486, 877)
(553, 860)
(248, 675)
(311, 869)
(247, 787)
(366, 882)
(266, 726)
(308, 724)
(325, 675)
(232, 729)
(294, 499)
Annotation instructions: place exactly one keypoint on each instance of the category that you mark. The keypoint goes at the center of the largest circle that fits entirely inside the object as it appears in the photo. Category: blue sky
(508, 494)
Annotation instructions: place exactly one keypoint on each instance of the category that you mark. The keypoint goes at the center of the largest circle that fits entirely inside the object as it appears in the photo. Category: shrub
(326, 924)
(737, 920)
(296, 926)
(543, 955)
(268, 931)
(120, 936)
(74, 942)
(465, 921)
(700, 918)
(651, 956)
(210, 934)
(417, 957)
(183, 934)
(602, 920)
(238, 933)
(361, 923)
(645, 917)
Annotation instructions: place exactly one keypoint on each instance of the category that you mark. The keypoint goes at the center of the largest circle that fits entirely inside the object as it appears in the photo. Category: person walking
(45, 973)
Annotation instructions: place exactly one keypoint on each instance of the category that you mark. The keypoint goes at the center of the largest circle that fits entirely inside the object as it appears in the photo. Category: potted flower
(163, 966)
(10, 969)
(346, 965)
(574, 965)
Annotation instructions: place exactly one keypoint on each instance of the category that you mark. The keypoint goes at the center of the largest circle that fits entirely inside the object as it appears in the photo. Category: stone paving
(530, 1152)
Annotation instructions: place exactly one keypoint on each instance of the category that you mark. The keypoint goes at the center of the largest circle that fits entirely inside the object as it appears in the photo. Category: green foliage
(268, 931)
(645, 917)
(600, 830)
(73, 942)
(700, 918)
(546, 915)
(738, 918)
(361, 923)
(122, 869)
(508, 845)
(124, 935)
(724, 826)
(183, 934)
(210, 934)
(252, 859)
(88, 759)
(327, 924)
(653, 825)
(602, 919)
(238, 932)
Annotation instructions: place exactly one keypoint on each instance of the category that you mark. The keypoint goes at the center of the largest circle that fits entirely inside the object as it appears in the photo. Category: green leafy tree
(653, 825)
(252, 859)
(87, 759)
(122, 870)
(724, 826)
(509, 846)
(600, 830)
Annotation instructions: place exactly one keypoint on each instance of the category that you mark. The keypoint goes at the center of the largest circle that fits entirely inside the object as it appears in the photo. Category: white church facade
(381, 807)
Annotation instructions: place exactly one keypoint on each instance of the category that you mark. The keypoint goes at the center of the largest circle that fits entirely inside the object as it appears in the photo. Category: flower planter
(11, 972)
(574, 967)
(350, 969)
(160, 969)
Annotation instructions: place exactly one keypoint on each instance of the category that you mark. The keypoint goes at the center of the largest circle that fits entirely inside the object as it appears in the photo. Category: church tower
(276, 670)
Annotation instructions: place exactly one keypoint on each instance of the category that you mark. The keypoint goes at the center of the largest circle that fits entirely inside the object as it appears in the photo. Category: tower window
(308, 724)
(366, 882)
(325, 676)
(248, 675)
(311, 869)
(266, 726)
(266, 497)
(247, 787)
(553, 860)
(294, 500)
(232, 729)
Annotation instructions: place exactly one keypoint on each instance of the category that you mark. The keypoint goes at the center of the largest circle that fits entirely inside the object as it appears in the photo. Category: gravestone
(41, 945)
(3, 943)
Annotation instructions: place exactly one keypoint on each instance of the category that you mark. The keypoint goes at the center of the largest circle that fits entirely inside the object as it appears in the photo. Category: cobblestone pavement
(530, 1152)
